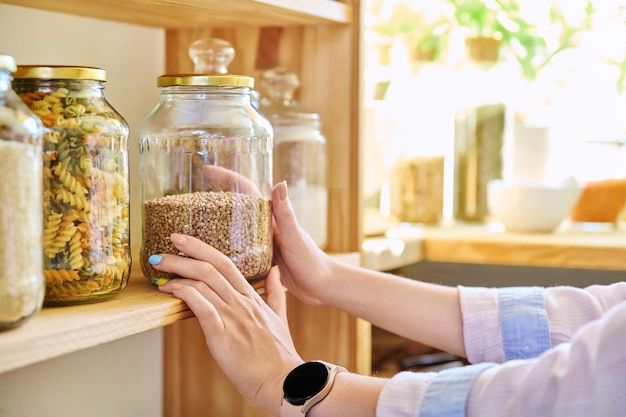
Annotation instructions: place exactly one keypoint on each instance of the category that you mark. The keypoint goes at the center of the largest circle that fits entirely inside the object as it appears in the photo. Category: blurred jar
(417, 189)
(600, 168)
(205, 166)
(423, 135)
(480, 125)
(299, 155)
(86, 189)
(22, 283)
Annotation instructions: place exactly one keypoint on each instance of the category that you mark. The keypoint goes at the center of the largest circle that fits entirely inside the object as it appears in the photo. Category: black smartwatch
(306, 385)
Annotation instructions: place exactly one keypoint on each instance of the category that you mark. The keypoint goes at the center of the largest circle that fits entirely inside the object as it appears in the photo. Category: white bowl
(531, 207)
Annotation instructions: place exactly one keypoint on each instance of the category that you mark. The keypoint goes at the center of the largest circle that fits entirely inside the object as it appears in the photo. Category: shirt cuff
(481, 324)
(447, 394)
(524, 322)
(402, 395)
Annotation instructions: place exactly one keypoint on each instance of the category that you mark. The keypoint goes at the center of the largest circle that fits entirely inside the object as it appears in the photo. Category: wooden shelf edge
(180, 14)
(56, 331)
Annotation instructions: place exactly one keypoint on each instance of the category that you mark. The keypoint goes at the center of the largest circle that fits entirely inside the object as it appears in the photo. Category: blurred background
(558, 69)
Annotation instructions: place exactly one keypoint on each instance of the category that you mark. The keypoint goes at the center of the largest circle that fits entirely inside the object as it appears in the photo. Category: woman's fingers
(275, 294)
(284, 215)
(222, 179)
(205, 311)
(213, 259)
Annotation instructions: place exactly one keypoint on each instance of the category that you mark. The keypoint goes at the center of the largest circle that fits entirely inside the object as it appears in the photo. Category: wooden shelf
(57, 331)
(178, 14)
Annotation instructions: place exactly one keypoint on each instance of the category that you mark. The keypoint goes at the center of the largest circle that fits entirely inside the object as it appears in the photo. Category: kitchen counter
(491, 244)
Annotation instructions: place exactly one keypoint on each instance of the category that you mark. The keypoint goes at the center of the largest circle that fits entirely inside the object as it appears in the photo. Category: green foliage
(425, 34)
(501, 19)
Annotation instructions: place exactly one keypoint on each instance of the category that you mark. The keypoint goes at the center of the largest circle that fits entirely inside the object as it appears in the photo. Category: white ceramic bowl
(531, 207)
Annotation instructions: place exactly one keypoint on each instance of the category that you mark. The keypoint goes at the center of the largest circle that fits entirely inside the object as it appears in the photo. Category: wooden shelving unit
(321, 41)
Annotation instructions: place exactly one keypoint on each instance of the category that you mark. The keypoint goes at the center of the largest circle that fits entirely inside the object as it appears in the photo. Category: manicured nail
(178, 239)
(282, 191)
(159, 281)
(155, 259)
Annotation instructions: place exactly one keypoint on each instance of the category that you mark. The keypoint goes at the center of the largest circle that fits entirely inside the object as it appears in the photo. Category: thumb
(284, 215)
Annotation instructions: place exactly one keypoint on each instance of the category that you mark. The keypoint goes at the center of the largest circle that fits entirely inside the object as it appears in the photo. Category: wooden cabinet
(319, 40)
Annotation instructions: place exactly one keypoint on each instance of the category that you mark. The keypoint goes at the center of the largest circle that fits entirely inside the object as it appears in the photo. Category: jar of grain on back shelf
(86, 190)
(206, 171)
(21, 219)
(299, 151)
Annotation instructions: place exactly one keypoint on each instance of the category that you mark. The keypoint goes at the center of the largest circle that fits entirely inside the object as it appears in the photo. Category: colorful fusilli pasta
(86, 193)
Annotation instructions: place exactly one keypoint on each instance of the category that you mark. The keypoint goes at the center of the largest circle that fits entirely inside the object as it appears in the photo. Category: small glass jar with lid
(86, 184)
(299, 151)
(22, 283)
(206, 171)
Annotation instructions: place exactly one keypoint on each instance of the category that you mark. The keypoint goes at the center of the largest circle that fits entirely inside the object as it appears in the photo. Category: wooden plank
(199, 13)
(61, 330)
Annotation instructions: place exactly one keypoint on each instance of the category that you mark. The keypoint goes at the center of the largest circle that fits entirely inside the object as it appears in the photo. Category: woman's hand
(305, 269)
(248, 337)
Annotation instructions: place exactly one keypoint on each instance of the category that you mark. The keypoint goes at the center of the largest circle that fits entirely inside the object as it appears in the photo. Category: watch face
(305, 381)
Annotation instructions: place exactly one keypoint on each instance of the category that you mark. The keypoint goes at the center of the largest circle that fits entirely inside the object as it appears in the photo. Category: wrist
(340, 279)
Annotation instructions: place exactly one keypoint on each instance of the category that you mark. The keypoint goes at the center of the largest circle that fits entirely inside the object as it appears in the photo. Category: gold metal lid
(7, 62)
(228, 80)
(59, 72)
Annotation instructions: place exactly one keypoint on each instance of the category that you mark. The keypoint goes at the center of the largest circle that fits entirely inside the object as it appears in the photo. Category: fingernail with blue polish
(155, 259)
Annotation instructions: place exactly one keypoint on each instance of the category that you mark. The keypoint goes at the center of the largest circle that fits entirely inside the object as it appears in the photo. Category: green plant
(502, 19)
(424, 31)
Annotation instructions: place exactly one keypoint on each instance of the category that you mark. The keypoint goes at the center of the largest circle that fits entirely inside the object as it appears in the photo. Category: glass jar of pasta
(206, 171)
(21, 219)
(86, 185)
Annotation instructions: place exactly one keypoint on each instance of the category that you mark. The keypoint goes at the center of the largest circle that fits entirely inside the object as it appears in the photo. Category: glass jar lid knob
(211, 55)
(280, 85)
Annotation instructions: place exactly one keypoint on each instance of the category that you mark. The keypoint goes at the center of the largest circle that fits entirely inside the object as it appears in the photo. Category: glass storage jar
(86, 189)
(299, 151)
(206, 171)
(424, 138)
(480, 128)
(21, 218)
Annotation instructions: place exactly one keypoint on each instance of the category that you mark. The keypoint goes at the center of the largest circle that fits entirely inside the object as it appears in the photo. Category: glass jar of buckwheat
(206, 171)
(86, 189)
